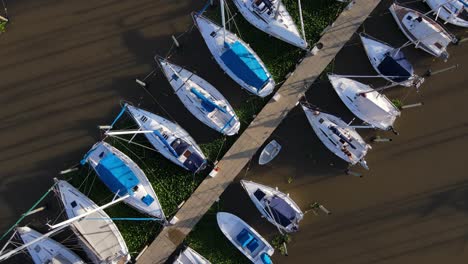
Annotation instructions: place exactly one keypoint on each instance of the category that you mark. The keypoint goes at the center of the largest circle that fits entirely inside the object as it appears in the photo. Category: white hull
(100, 151)
(352, 151)
(372, 107)
(232, 226)
(269, 193)
(377, 51)
(172, 132)
(214, 39)
(100, 236)
(281, 27)
(222, 119)
(190, 256)
(422, 31)
(451, 11)
(270, 151)
(47, 250)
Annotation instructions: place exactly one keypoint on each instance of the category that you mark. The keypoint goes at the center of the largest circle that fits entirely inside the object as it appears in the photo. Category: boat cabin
(277, 208)
(261, 6)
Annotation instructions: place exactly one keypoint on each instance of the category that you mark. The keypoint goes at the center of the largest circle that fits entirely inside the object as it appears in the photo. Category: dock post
(352, 173)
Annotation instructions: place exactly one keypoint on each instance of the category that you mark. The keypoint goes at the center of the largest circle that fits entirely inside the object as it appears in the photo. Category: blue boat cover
(116, 175)
(265, 258)
(148, 199)
(207, 104)
(253, 245)
(193, 161)
(244, 237)
(244, 65)
(392, 67)
(282, 212)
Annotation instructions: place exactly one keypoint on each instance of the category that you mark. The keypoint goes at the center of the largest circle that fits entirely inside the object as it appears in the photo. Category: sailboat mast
(302, 21)
(223, 20)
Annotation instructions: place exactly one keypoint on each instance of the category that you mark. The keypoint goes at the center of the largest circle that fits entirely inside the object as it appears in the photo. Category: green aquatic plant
(3, 25)
(279, 242)
(397, 103)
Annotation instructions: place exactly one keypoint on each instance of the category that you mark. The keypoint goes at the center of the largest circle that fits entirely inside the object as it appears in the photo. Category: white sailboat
(268, 153)
(391, 63)
(277, 207)
(272, 17)
(123, 176)
(47, 250)
(202, 100)
(100, 237)
(454, 12)
(366, 103)
(168, 138)
(190, 256)
(422, 31)
(234, 56)
(245, 238)
(338, 137)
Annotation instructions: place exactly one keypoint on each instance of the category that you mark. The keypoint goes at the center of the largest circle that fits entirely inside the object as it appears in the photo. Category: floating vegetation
(397, 103)
(279, 242)
(3, 25)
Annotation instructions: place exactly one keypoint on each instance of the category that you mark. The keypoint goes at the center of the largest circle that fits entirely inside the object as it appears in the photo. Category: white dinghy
(99, 236)
(366, 103)
(235, 57)
(277, 207)
(454, 12)
(123, 177)
(391, 63)
(338, 137)
(47, 250)
(422, 31)
(190, 256)
(268, 153)
(245, 238)
(168, 138)
(202, 100)
(272, 17)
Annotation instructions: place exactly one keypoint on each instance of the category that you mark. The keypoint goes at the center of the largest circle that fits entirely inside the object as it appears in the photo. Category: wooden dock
(258, 131)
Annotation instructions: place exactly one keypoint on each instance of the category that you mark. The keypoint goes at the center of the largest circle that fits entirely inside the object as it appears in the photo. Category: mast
(224, 20)
(302, 21)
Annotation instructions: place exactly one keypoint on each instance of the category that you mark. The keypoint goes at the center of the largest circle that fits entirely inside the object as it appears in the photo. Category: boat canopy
(193, 161)
(395, 66)
(118, 177)
(244, 64)
(207, 104)
(282, 211)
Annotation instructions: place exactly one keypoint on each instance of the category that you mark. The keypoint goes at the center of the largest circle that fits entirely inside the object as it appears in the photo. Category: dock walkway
(258, 132)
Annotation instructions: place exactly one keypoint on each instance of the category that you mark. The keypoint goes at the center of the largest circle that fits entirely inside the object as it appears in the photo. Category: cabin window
(37, 248)
(73, 204)
(101, 154)
(143, 118)
(175, 77)
(438, 45)
(213, 34)
(135, 188)
(321, 120)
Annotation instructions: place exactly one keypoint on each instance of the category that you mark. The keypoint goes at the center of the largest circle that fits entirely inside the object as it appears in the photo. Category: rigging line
(221, 148)
(92, 184)
(233, 20)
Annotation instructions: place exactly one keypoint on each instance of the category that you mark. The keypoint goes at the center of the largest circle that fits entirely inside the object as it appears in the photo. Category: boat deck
(257, 133)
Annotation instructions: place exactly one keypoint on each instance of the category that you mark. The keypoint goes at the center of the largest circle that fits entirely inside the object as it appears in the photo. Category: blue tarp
(244, 65)
(116, 175)
(193, 161)
(209, 105)
(244, 238)
(282, 212)
(392, 67)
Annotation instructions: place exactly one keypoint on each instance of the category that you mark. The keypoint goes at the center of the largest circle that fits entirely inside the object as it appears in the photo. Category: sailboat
(245, 238)
(366, 103)
(123, 177)
(454, 12)
(422, 31)
(338, 137)
(202, 100)
(277, 207)
(99, 236)
(168, 138)
(47, 250)
(190, 256)
(389, 62)
(234, 56)
(272, 17)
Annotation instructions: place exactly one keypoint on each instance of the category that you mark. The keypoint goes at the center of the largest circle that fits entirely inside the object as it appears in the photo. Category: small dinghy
(366, 103)
(169, 139)
(389, 62)
(270, 151)
(422, 31)
(245, 238)
(271, 17)
(454, 12)
(201, 99)
(123, 176)
(277, 207)
(235, 57)
(338, 137)
(99, 236)
(190, 256)
(47, 250)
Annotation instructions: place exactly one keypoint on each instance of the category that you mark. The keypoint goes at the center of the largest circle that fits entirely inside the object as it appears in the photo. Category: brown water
(65, 65)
